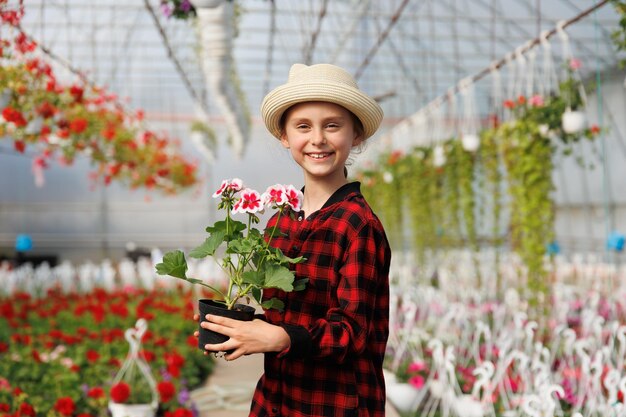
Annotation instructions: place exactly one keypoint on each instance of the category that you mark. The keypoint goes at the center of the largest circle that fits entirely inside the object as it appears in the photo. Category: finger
(196, 317)
(235, 355)
(218, 347)
(217, 328)
(224, 321)
(196, 333)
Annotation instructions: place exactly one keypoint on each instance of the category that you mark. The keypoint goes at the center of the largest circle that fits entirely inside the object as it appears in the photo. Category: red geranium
(167, 390)
(95, 392)
(120, 392)
(92, 356)
(65, 406)
(27, 410)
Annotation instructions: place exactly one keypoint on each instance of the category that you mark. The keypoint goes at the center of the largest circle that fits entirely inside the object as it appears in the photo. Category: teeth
(318, 155)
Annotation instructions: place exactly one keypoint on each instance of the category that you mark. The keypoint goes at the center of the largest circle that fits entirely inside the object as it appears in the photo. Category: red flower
(148, 355)
(595, 129)
(183, 412)
(521, 99)
(509, 104)
(120, 392)
(4, 347)
(12, 115)
(19, 146)
(78, 125)
(167, 390)
(65, 406)
(92, 356)
(95, 392)
(77, 93)
(192, 341)
(27, 410)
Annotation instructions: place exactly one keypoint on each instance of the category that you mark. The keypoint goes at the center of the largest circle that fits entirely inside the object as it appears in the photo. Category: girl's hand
(246, 337)
(196, 333)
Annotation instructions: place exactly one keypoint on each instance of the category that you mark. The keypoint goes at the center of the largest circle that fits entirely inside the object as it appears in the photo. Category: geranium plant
(243, 252)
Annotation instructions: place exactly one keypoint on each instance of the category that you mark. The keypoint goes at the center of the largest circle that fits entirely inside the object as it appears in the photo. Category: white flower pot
(544, 130)
(573, 121)
(200, 4)
(131, 410)
(470, 142)
(403, 396)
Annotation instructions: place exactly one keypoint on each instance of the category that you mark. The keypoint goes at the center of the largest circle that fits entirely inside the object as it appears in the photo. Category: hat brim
(367, 110)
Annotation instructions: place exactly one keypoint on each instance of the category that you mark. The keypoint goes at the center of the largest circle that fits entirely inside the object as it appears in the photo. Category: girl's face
(320, 137)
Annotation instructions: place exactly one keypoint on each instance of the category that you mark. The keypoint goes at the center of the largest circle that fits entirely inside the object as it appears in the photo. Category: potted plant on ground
(243, 252)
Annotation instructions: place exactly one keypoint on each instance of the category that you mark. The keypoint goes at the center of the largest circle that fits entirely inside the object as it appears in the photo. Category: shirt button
(274, 410)
(295, 247)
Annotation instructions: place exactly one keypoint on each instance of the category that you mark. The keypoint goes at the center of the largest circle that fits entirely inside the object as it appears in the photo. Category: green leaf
(273, 303)
(209, 246)
(173, 264)
(279, 277)
(253, 277)
(281, 257)
(300, 284)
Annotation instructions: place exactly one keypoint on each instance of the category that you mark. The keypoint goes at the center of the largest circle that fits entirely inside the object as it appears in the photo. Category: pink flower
(416, 367)
(232, 186)
(250, 202)
(536, 101)
(294, 197)
(575, 64)
(417, 381)
(274, 195)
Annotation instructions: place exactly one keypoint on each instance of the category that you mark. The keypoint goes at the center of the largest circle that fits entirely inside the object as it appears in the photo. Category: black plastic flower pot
(240, 312)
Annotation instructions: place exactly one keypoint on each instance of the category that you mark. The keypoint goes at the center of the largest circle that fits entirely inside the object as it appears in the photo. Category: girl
(324, 352)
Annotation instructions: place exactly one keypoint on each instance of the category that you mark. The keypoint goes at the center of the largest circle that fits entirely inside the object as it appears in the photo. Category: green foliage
(63, 345)
(243, 252)
(619, 35)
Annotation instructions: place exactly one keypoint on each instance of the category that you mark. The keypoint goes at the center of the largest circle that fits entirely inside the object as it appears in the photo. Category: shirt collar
(343, 192)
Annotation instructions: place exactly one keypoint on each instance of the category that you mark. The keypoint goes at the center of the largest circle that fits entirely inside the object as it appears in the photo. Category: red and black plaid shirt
(338, 325)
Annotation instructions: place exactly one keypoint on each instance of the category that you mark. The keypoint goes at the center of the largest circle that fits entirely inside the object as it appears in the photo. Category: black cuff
(301, 345)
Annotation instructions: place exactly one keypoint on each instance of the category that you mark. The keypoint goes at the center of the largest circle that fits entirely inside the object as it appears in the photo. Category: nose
(317, 137)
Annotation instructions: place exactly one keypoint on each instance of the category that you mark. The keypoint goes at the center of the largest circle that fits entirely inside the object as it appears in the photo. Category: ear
(358, 139)
(284, 140)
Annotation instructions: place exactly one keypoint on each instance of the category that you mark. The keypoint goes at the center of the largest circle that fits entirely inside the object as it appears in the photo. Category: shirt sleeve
(344, 330)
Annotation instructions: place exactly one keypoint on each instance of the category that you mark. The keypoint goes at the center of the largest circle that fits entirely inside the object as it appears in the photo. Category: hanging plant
(466, 161)
(619, 35)
(420, 187)
(384, 188)
(490, 166)
(528, 160)
(451, 196)
(54, 119)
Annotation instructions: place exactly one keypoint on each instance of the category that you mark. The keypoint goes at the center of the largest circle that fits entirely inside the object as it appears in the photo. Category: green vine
(619, 35)
(451, 196)
(528, 160)
(418, 186)
(466, 172)
(490, 165)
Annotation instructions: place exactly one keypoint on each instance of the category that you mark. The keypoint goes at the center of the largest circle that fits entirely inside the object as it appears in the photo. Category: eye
(332, 125)
(302, 126)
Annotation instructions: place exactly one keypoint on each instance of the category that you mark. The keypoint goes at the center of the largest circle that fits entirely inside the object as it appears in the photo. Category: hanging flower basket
(131, 410)
(134, 392)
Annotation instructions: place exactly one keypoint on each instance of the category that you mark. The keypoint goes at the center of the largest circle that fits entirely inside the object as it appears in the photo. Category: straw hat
(320, 82)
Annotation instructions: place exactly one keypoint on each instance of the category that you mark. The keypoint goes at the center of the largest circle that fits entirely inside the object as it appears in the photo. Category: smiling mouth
(320, 155)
